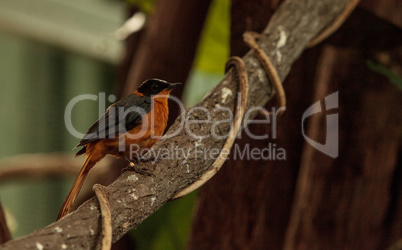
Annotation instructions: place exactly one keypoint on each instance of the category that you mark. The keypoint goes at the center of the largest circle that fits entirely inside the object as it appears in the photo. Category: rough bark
(133, 197)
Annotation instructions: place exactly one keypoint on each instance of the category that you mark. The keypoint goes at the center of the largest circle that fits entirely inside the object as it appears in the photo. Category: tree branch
(132, 197)
(44, 165)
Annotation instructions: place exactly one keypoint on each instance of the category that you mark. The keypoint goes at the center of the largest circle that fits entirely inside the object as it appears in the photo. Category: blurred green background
(52, 51)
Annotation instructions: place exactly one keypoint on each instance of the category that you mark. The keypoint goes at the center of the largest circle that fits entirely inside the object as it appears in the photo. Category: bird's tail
(79, 181)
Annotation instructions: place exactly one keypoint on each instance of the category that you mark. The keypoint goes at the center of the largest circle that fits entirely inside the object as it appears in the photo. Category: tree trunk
(344, 203)
(352, 202)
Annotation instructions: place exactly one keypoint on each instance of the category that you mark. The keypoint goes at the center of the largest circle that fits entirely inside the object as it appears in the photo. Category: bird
(138, 119)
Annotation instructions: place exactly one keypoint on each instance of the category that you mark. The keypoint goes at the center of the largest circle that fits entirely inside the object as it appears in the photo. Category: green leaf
(385, 71)
(146, 6)
(213, 50)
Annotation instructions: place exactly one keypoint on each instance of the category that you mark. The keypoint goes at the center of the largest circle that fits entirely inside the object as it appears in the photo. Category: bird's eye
(155, 87)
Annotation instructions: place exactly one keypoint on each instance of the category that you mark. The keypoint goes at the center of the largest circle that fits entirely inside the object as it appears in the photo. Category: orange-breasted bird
(139, 119)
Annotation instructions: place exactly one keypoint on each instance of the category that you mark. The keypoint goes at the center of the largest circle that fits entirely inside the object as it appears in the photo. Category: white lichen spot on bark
(260, 73)
(282, 38)
(132, 178)
(226, 92)
(281, 42)
(38, 246)
(135, 197)
(153, 199)
(58, 229)
(126, 224)
(278, 56)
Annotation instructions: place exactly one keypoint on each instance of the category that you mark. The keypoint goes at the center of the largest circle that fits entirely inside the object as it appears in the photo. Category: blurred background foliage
(52, 51)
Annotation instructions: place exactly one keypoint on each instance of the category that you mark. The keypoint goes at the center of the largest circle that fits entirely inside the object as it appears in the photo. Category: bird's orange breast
(145, 135)
(153, 125)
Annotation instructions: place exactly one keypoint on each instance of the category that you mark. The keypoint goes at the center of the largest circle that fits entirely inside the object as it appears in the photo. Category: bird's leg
(149, 158)
(131, 164)
(133, 167)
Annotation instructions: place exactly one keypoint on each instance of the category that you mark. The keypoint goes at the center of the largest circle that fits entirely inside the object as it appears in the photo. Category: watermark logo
(331, 146)
(198, 124)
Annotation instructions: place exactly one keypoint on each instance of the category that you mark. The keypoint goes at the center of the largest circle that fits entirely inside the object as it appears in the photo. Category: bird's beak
(174, 85)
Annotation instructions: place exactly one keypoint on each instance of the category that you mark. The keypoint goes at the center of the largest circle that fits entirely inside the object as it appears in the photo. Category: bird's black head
(155, 86)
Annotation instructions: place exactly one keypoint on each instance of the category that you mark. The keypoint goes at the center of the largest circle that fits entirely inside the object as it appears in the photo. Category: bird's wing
(120, 117)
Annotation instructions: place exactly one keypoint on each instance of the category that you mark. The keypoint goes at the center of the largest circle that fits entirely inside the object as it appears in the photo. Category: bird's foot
(132, 167)
(146, 159)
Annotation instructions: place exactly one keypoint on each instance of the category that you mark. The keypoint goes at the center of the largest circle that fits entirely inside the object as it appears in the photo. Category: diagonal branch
(132, 197)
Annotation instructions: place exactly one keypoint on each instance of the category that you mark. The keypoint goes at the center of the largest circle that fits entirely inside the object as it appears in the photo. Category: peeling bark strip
(132, 197)
(237, 63)
(102, 197)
